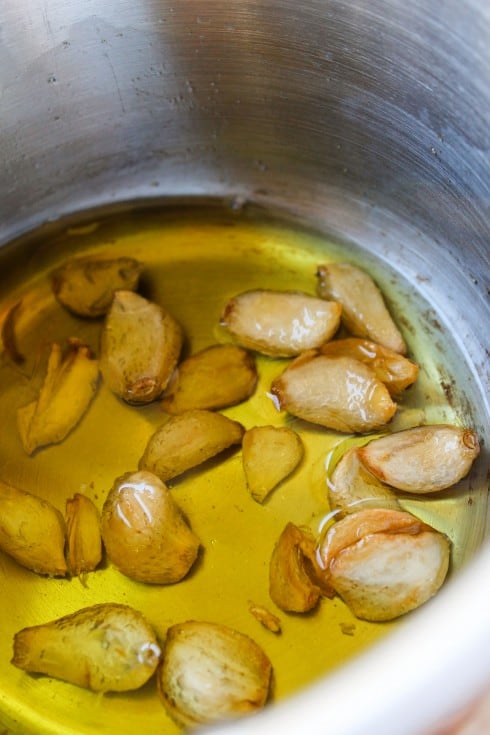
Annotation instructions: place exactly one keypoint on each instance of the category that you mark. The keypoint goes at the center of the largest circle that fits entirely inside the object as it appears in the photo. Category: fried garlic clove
(384, 563)
(144, 532)
(83, 533)
(270, 454)
(423, 459)
(216, 377)
(336, 392)
(68, 388)
(32, 531)
(394, 370)
(140, 346)
(106, 647)
(294, 578)
(264, 616)
(86, 286)
(352, 488)
(280, 323)
(364, 311)
(210, 673)
(187, 440)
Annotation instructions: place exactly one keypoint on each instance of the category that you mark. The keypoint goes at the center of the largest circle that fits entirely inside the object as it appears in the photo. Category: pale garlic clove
(83, 533)
(384, 563)
(85, 286)
(423, 459)
(364, 311)
(106, 647)
(144, 532)
(295, 582)
(270, 454)
(336, 392)
(32, 531)
(187, 440)
(280, 323)
(394, 370)
(140, 347)
(351, 487)
(65, 395)
(216, 377)
(210, 673)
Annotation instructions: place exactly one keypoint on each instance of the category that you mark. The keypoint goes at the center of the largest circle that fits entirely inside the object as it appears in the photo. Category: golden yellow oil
(194, 263)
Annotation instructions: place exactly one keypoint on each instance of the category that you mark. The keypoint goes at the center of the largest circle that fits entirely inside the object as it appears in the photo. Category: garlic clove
(423, 459)
(351, 487)
(270, 454)
(210, 673)
(384, 563)
(394, 370)
(295, 582)
(85, 286)
(65, 395)
(187, 440)
(32, 531)
(336, 392)
(106, 647)
(216, 377)
(83, 534)
(280, 323)
(140, 346)
(364, 311)
(144, 532)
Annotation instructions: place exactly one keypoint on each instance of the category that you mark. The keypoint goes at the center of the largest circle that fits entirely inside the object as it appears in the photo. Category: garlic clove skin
(384, 563)
(144, 532)
(210, 673)
(106, 647)
(139, 348)
(336, 392)
(424, 459)
(364, 312)
(280, 323)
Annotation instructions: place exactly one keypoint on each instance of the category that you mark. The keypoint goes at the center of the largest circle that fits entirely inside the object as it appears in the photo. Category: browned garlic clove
(85, 286)
(65, 395)
(187, 440)
(280, 323)
(140, 346)
(352, 488)
(216, 377)
(364, 311)
(394, 370)
(423, 459)
(32, 531)
(211, 673)
(295, 582)
(270, 454)
(336, 392)
(83, 533)
(106, 647)
(384, 563)
(144, 532)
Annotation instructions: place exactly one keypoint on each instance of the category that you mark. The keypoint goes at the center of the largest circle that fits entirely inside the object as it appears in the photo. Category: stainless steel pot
(367, 119)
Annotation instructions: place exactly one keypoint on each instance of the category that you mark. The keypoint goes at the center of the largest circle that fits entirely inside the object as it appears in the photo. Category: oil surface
(193, 264)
